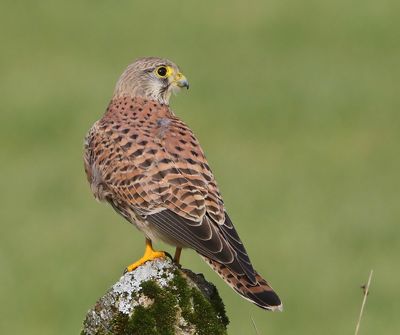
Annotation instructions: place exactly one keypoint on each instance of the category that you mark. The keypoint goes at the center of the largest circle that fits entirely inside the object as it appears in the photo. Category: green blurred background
(296, 104)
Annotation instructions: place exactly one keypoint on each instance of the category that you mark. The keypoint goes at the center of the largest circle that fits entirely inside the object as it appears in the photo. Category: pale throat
(150, 91)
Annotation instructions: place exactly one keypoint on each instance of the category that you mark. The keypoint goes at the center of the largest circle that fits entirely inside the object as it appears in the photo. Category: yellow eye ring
(163, 71)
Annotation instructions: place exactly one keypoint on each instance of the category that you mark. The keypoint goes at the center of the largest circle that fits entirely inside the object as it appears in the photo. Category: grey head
(151, 77)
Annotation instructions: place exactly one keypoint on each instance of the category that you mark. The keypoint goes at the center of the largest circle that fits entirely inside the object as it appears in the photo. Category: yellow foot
(149, 255)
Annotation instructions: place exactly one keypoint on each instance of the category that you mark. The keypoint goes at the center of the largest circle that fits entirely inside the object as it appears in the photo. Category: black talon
(168, 255)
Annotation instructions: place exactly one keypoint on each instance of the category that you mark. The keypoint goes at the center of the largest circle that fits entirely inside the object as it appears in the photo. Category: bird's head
(152, 78)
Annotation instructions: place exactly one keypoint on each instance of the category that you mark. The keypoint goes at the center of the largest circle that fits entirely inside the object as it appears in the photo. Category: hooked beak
(181, 81)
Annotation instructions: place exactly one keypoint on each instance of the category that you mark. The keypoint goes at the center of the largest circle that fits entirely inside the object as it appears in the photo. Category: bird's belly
(147, 228)
(140, 222)
(155, 234)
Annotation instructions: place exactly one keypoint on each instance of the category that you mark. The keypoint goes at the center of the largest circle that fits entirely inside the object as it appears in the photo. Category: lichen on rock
(158, 298)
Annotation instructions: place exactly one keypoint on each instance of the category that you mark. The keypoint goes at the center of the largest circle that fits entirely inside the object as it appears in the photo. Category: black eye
(162, 71)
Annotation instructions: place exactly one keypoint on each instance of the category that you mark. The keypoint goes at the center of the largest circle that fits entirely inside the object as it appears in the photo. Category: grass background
(296, 104)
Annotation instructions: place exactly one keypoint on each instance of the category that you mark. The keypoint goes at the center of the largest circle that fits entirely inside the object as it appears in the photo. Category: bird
(148, 165)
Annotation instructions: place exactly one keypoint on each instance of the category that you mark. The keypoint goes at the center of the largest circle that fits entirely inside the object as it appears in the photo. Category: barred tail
(259, 293)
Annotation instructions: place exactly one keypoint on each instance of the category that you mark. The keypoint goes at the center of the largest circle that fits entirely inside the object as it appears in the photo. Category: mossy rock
(158, 298)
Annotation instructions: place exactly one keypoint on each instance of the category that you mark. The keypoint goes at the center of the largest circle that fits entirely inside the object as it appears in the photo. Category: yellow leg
(177, 256)
(149, 254)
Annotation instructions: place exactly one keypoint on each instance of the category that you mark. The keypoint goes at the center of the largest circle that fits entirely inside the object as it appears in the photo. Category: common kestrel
(148, 165)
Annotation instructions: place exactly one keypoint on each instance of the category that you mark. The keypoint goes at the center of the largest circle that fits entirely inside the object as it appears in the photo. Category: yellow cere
(179, 76)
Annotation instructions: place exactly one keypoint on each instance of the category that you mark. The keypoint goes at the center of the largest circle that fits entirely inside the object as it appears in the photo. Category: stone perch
(158, 298)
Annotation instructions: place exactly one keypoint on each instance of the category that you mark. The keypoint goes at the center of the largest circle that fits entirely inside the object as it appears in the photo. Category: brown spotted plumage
(149, 166)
